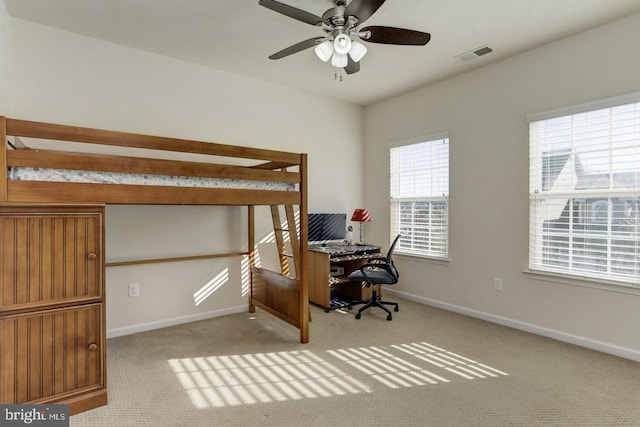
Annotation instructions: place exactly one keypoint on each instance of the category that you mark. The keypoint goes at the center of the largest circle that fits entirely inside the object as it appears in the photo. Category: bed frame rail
(57, 132)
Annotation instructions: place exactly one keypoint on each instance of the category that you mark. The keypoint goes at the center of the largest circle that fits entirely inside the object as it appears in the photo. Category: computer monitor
(325, 227)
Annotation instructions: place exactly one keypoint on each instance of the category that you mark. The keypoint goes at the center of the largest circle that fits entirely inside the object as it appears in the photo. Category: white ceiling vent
(473, 54)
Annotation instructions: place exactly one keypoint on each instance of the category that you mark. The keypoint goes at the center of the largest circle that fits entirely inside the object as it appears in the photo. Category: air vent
(473, 54)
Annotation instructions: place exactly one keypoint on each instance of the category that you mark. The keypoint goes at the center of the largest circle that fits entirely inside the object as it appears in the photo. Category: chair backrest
(390, 256)
(393, 246)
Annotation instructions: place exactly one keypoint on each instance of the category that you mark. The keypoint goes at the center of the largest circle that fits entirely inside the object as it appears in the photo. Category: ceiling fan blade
(291, 12)
(298, 47)
(392, 35)
(352, 67)
(363, 9)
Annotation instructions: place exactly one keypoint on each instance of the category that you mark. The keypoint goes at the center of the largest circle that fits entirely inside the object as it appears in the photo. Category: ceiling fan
(342, 40)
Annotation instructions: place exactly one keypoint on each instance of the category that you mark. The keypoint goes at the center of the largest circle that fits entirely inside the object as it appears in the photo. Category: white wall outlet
(497, 285)
(134, 289)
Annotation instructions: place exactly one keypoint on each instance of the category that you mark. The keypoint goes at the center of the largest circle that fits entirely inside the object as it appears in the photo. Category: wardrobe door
(51, 355)
(49, 259)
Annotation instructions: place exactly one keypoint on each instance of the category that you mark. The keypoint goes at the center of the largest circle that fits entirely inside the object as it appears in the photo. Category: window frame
(585, 214)
(406, 246)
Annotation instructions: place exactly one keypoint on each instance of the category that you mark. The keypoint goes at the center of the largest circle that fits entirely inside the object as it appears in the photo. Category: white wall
(485, 112)
(5, 60)
(61, 77)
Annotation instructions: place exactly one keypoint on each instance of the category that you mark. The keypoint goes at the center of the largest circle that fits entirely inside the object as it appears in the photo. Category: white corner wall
(5, 60)
(60, 77)
(485, 113)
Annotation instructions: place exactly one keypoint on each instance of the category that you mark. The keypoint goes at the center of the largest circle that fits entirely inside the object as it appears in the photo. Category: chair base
(374, 302)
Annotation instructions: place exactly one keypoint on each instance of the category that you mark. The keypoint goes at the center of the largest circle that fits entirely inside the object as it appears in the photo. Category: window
(420, 196)
(585, 194)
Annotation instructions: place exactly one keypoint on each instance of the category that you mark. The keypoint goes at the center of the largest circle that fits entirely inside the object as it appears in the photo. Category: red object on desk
(361, 216)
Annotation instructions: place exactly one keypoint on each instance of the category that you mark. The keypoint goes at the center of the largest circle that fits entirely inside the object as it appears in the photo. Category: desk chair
(377, 271)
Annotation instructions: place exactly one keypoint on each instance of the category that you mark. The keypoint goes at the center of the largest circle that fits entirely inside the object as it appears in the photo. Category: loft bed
(249, 176)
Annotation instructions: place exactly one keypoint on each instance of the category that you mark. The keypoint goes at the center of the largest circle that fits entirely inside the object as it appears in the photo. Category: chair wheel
(349, 307)
(358, 316)
(389, 317)
(396, 309)
(326, 310)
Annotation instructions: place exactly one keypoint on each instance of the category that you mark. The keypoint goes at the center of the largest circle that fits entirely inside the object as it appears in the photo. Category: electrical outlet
(134, 289)
(497, 285)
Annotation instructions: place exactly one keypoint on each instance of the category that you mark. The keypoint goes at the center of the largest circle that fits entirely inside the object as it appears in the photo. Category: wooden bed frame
(283, 296)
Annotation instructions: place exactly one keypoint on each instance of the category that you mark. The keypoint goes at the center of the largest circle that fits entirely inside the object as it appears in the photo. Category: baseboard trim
(150, 326)
(604, 347)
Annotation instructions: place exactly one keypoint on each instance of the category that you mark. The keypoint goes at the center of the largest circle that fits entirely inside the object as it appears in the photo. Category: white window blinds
(584, 194)
(420, 197)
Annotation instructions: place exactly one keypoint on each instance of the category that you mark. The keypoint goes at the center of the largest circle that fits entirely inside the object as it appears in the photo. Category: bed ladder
(279, 230)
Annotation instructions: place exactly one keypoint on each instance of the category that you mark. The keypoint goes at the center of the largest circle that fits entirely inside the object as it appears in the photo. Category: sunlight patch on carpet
(391, 367)
(246, 379)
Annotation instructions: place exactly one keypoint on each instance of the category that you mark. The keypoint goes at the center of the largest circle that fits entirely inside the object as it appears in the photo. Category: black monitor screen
(327, 226)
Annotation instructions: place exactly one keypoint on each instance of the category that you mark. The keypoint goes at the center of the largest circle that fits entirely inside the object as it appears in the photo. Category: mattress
(67, 175)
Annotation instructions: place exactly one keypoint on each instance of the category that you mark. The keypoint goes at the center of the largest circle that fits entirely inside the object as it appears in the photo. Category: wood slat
(48, 365)
(20, 353)
(173, 259)
(35, 358)
(70, 351)
(293, 238)
(274, 165)
(279, 236)
(21, 262)
(70, 258)
(34, 262)
(7, 262)
(122, 139)
(57, 257)
(58, 352)
(303, 275)
(46, 260)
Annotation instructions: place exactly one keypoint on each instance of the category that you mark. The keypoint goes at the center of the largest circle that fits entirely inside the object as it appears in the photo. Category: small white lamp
(324, 50)
(358, 50)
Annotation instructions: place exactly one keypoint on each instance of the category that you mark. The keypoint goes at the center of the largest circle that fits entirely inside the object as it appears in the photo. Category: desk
(329, 267)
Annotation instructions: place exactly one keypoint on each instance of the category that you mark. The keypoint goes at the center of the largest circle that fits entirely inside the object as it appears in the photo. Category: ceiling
(238, 36)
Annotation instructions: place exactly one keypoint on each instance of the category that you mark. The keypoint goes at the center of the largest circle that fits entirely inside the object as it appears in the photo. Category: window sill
(585, 282)
(422, 258)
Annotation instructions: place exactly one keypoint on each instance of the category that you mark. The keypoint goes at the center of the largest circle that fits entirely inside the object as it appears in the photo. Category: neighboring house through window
(420, 196)
(585, 193)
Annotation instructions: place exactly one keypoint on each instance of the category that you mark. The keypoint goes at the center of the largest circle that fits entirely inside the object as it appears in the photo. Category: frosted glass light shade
(358, 50)
(339, 60)
(342, 44)
(324, 50)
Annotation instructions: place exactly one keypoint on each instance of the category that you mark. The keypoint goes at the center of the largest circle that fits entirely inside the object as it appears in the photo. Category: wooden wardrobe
(52, 312)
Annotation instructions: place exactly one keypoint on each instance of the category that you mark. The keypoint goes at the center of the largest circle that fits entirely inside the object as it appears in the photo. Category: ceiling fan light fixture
(342, 44)
(358, 50)
(324, 50)
(339, 60)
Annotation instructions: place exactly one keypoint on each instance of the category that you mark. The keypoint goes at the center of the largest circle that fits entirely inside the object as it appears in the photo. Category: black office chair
(377, 271)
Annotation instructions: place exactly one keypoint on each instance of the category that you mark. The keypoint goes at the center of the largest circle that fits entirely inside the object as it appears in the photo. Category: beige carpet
(427, 367)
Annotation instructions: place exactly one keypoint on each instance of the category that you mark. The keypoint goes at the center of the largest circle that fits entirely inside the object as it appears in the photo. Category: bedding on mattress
(76, 176)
